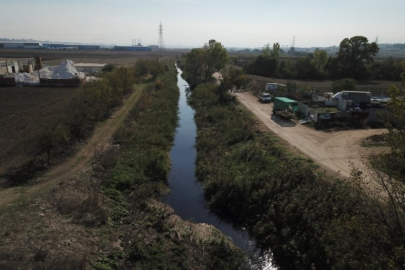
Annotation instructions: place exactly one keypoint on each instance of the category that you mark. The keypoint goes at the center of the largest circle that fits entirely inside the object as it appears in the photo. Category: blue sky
(193, 22)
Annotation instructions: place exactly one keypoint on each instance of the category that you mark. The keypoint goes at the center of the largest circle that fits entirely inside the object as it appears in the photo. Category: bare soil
(24, 112)
(333, 151)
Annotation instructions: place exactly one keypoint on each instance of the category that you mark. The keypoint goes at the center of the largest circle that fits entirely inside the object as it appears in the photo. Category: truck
(274, 86)
(265, 98)
(284, 106)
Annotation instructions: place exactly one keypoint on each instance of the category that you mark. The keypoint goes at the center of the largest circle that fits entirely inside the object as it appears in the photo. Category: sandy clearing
(100, 140)
(332, 151)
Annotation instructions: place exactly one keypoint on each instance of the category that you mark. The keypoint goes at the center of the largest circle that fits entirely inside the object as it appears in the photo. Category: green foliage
(154, 67)
(273, 53)
(152, 137)
(320, 59)
(291, 87)
(262, 66)
(94, 101)
(232, 80)
(344, 84)
(354, 60)
(108, 68)
(394, 120)
(354, 54)
(306, 69)
(202, 63)
(306, 220)
(51, 138)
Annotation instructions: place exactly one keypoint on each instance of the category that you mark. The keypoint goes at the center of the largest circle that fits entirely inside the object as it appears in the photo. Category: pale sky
(192, 23)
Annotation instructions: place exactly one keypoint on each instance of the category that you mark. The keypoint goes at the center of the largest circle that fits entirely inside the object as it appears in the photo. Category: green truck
(284, 106)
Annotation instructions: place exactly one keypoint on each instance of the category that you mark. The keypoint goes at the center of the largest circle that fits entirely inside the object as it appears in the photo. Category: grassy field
(53, 57)
(24, 111)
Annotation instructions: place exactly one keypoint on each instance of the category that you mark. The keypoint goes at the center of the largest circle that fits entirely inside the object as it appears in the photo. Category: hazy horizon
(191, 23)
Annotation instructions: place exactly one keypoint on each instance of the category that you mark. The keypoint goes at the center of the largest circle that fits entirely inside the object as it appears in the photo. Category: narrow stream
(187, 195)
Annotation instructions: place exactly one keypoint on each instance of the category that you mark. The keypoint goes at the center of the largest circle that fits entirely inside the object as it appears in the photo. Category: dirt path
(332, 151)
(80, 161)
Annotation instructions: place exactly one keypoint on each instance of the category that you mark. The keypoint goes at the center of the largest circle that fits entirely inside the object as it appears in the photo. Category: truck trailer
(284, 106)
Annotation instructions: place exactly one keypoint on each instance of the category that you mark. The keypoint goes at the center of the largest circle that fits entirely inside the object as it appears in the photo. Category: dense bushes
(152, 136)
(308, 221)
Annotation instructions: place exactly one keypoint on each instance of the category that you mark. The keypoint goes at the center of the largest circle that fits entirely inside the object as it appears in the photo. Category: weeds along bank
(308, 221)
(152, 236)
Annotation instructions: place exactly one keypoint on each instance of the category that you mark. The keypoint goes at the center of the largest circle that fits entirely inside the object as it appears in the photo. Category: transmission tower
(293, 43)
(376, 39)
(161, 42)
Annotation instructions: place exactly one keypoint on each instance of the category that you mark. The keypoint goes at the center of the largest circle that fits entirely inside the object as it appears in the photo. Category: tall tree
(354, 54)
(320, 59)
(273, 53)
(266, 50)
(194, 66)
(201, 63)
(217, 58)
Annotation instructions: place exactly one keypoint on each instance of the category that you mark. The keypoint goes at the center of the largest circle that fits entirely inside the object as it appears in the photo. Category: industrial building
(61, 46)
(70, 46)
(19, 45)
(132, 48)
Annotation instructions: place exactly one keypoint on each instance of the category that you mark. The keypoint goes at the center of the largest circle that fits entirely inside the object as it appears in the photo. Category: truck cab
(265, 98)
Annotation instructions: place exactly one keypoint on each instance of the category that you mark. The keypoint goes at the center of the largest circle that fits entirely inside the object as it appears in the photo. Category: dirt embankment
(332, 151)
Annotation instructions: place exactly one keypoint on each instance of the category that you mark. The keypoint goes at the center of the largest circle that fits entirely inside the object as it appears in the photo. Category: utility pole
(161, 42)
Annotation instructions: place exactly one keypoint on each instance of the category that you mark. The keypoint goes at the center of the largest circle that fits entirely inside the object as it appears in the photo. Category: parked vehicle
(265, 98)
(275, 86)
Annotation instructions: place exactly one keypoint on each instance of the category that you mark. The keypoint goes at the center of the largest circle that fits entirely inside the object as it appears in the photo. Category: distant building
(59, 46)
(132, 48)
(154, 47)
(21, 45)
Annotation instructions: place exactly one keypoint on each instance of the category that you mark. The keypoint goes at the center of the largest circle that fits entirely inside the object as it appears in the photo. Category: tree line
(355, 59)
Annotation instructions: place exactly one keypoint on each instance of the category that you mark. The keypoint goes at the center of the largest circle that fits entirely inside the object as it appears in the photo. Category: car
(265, 98)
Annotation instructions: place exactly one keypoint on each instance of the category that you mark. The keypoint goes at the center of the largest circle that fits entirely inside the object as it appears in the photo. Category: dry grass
(51, 231)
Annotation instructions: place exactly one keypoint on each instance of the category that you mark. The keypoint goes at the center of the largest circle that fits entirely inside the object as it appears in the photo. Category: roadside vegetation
(308, 220)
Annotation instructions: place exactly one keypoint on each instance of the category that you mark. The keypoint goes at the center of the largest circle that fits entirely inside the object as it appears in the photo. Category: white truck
(265, 98)
(274, 86)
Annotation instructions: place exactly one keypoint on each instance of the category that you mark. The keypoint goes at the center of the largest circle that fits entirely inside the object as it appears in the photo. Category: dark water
(187, 195)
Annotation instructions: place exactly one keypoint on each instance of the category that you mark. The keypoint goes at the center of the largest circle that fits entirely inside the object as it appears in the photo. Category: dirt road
(80, 161)
(332, 151)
